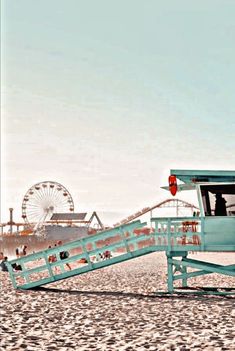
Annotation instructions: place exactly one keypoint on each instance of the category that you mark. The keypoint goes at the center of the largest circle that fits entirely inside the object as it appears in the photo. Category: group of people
(104, 256)
(63, 255)
(20, 252)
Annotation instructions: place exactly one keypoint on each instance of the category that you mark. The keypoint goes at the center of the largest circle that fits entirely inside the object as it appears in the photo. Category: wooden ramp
(84, 255)
(81, 256)
(104, 249)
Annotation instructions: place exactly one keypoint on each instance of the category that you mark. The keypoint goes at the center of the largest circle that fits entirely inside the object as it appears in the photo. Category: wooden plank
(209, 267)
(197, 273)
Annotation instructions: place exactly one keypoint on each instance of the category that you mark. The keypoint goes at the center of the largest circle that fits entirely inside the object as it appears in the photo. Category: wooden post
(169, 273)
(184, 271)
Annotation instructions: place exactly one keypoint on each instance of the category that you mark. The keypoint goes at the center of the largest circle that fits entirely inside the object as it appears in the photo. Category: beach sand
(116, 308)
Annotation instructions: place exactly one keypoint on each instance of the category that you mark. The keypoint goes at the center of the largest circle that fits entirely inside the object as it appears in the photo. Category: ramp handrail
(87, 249)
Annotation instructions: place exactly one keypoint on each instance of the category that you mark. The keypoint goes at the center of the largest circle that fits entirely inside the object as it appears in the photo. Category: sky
(105, 97)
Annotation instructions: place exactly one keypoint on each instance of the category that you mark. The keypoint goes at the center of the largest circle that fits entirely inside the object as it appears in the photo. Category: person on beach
(107, 255)
(220, 205)
(51, 258)
(64, 255)
(3, 265)
(99, 257)
(1, 256)
(16, 267)
(21, 251)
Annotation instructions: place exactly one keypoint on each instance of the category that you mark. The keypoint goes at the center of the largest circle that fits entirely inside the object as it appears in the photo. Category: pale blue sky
(106, 96)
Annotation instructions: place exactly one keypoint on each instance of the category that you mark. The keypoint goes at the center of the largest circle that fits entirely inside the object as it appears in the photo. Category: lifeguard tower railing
(173, 233)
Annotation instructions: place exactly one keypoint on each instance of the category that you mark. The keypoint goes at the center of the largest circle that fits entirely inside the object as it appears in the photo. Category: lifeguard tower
(211, 229)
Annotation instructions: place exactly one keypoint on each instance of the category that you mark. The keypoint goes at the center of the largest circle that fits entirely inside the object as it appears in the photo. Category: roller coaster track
(166, 203)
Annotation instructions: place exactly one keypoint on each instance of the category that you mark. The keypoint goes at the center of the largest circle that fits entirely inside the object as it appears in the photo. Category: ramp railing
(104, 249)
(77, 257)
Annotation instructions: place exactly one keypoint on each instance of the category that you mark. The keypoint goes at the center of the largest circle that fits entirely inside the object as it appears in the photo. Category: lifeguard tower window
(218, 200)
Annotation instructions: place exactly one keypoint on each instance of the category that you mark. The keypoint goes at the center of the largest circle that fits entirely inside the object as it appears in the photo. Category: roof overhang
(203, 176)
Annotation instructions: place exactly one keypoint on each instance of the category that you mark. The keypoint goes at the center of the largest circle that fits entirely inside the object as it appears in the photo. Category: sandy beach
(116, 308)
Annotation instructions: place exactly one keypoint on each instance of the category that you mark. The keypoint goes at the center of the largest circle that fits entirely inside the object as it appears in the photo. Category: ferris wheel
(43, 199)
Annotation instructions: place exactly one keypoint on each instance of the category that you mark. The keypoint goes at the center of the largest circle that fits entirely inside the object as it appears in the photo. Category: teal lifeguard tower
(211, 229)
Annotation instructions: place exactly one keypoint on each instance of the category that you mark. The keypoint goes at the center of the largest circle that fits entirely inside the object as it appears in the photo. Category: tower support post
(174, 266)
(170, 285)
(184, 271)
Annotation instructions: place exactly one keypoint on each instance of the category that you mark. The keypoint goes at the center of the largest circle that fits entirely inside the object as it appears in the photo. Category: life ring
(172, 184)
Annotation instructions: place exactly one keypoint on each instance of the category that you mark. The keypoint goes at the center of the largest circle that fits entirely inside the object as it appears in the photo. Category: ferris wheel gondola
(42, 200)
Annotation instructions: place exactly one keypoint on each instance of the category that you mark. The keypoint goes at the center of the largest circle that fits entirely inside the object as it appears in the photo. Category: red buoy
(172, 184)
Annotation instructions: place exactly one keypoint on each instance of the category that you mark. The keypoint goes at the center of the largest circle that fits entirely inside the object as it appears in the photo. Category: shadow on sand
(157, 295)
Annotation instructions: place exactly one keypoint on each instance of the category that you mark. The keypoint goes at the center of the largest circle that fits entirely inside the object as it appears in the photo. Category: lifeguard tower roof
(203, 176)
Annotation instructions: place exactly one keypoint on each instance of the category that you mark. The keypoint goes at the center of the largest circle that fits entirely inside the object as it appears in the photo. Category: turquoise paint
(195, 176)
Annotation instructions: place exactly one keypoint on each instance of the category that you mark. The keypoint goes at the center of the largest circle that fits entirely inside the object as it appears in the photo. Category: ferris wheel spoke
(37, 196)
(62, 206)
(61, 200)
(38, 190)
(35, 207)
(34, 210)
(49, 193)
(35, 217)
(57, 195)
(32, 207)
(31, 192)
(47, 190)
(41, 220)
(53, 195)
(52, 188)
(34, 213)
(33, 202)
(44, 191)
